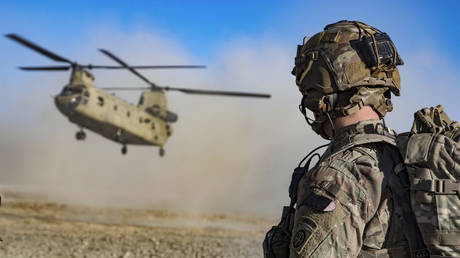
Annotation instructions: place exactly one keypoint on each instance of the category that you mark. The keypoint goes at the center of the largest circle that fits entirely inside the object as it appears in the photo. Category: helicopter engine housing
(154, 102)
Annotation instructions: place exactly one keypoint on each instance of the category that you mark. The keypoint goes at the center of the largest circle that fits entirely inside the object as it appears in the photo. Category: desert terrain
(37, 228)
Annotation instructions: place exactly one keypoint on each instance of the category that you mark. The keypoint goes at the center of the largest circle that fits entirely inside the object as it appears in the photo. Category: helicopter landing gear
(80, 135)
(118, 135)
(124, 150)
(162, 152)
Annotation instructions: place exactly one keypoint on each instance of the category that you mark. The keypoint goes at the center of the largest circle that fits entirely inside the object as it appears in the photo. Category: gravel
(40, 229)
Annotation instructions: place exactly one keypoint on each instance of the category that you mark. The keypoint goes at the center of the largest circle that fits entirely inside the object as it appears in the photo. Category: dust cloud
(226, 155)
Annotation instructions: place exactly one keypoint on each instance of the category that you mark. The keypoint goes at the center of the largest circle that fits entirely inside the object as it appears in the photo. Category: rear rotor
(154, 86)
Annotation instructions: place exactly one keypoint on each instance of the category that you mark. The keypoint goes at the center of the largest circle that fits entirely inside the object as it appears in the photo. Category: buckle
(446, 186)
(439, 186)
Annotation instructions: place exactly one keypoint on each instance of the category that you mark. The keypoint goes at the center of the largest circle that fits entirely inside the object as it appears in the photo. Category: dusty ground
(42, 229)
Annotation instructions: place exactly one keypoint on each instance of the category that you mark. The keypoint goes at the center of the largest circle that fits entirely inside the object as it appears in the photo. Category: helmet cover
(345, 67)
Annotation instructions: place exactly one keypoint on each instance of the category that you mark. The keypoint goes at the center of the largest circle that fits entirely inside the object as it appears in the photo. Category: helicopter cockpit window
(85, 97)
(76, 99)
(72, 90)
(100, 101)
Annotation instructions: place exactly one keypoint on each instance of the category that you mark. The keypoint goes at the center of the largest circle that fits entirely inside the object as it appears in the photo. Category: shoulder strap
(402, 205)
(300, 171)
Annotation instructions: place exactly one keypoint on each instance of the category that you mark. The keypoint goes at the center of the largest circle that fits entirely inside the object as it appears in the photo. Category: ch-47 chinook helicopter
(93, 108)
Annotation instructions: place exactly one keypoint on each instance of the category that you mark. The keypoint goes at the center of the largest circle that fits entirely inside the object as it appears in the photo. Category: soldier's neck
(363, 114)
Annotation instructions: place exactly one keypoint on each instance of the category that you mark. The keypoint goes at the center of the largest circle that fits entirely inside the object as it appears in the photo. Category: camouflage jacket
(345, 206)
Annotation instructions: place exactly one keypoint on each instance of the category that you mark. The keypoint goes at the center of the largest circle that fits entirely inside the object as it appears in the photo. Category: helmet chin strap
(303, 110)
(329, 108)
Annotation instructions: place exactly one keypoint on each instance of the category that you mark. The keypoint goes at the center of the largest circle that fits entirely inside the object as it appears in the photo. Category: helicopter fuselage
(93, 108)
(114, 118)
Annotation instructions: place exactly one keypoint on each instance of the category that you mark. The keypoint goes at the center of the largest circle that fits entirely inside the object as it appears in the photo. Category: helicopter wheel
(124, 150)
(80, 136)
(162, 152)
(118, 135)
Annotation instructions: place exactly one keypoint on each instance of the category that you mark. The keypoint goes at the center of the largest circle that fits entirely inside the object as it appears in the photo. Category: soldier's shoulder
(364, 154)
(349, 177)
(348, 167)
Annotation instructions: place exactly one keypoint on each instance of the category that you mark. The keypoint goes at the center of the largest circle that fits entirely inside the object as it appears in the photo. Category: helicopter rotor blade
(143, 66)
(218, 93)
(37, 48)
(66, 67)
(126, 88)
(45, 68)
(118, 60)
(168, 66)
(198, 91)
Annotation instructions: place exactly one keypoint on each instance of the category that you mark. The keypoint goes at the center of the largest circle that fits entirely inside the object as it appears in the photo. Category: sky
(226, 154)
(202, 26)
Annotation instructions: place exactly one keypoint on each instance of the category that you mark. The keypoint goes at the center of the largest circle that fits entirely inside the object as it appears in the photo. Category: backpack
(431, 156)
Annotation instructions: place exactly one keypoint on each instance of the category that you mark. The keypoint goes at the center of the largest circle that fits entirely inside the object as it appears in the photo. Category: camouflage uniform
(345, 206)
(355, 201)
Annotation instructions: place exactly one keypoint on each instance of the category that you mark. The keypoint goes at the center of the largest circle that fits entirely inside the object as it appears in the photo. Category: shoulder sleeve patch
(312, 227)
(319, 202)
(300, 237)
(303, 233)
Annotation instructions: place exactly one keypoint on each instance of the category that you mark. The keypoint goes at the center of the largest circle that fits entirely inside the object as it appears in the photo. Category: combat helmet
(343, 68)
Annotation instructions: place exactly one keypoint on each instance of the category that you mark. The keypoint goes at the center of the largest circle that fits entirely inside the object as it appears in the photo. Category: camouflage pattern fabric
(431, 155)
(335, 78)
(345, 205)
(329, 61)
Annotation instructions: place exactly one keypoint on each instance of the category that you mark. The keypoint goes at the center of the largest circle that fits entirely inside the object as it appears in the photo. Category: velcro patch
(319, 202)
(303, 234)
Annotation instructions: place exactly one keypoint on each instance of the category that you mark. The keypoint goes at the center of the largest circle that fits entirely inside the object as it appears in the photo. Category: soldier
(353, 202)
